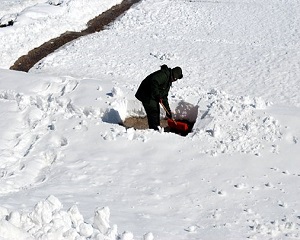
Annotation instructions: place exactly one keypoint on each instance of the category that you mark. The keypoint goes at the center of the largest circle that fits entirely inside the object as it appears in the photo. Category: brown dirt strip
(24, 63)
(142, 123)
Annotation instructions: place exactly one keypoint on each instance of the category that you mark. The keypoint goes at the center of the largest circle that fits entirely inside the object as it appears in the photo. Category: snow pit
(142, 123)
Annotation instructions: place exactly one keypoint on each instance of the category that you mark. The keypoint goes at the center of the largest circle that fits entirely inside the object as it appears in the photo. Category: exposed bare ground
(142, 123)
(24, 63)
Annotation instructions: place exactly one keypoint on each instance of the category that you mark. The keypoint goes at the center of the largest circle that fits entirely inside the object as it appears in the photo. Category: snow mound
(229, 124)
(48, 220)
(223, 123)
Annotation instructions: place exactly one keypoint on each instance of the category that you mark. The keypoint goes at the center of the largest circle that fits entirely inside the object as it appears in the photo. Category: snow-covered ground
(69, 171)
(38, 21)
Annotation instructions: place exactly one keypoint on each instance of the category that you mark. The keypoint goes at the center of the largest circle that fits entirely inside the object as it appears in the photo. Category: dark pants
(152, 111)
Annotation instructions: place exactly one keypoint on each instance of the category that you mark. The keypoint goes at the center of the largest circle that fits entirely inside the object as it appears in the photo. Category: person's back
(154, 89)
(152, 83)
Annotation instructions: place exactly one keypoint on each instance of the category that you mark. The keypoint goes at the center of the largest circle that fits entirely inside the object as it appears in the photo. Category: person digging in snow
(154, 89)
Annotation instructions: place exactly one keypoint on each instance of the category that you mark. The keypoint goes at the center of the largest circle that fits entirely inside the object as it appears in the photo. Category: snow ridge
(229, 124)
(48, 220)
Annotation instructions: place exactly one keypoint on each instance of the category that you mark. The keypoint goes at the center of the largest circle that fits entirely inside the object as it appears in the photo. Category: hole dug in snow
(185, 113)
(142, 123)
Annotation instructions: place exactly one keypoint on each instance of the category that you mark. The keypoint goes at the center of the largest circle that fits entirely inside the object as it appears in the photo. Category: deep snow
(68, 169)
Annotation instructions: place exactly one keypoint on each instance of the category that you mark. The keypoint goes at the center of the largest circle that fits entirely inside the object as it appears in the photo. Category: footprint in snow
(269, 185)
(3, 173)
(191, 229)
(219, 192)
(286, 172)
(282, 204)
(275, 169)
(22, 166)
(40, 179)
(216, 214)
(82, 125)
(241, 186)
(249, 210)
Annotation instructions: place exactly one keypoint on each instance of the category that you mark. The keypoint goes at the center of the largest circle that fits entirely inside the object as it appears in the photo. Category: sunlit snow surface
(69, 171)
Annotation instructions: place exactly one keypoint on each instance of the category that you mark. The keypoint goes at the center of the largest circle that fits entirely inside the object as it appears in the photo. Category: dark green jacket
(156, 86)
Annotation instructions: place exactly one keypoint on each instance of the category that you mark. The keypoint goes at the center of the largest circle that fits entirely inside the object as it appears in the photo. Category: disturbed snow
(236, 175)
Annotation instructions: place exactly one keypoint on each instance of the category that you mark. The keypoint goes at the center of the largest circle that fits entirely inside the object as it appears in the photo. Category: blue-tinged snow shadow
(186, 111)
(112, 116)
